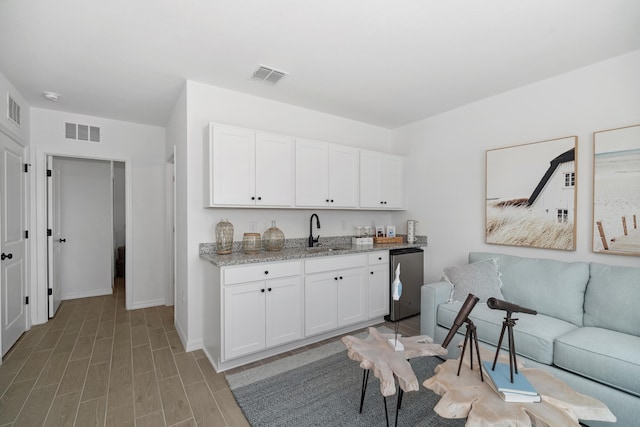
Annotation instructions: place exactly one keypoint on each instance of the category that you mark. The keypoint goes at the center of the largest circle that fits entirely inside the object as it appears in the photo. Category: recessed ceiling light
(51, 96)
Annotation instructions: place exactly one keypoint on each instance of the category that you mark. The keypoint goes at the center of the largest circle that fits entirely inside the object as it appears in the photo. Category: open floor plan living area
(319, 213)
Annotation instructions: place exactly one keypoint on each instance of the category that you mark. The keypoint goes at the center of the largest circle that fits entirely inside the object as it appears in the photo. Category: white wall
(207, 103)
(142, 148)
(445, 169)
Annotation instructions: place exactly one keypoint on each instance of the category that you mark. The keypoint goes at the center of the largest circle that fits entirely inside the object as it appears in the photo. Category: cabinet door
(312, 173)
(244, 314)
(320, 303)
(343, 176)
(283, 310)
(352, 296)
(371, 180)
(392, 179)
(274, 170)
(233, 165)
(378, 290)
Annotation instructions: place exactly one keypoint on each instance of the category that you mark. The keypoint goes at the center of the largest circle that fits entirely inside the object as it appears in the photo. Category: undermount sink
(322, 249)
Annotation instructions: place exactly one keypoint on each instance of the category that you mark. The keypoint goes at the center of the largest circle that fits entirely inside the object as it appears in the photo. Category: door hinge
(48, 172)
(26, 234)
(50, 291)
(26, 300)
(26, 167)
(49, 232)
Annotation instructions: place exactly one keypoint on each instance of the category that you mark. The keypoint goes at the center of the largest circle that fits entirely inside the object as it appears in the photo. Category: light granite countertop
(294, 249)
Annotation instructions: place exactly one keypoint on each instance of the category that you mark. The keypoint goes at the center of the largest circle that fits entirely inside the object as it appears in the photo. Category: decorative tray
(382, 240)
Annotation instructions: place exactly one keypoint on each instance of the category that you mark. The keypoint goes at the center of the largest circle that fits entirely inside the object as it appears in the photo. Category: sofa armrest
(432, 295)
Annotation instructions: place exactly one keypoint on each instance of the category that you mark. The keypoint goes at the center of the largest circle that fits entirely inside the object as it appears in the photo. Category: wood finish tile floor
(97, 364)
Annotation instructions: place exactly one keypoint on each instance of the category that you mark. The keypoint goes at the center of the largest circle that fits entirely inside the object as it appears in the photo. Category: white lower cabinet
(263, 307)
(378, 284)
(334, 298)
(261, 314)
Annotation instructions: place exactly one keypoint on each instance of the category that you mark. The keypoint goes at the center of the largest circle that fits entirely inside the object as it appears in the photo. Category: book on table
(520, 390)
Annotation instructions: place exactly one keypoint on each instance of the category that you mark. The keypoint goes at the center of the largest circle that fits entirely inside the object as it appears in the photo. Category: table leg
(399, 405)
(363, 389)
(386, 413)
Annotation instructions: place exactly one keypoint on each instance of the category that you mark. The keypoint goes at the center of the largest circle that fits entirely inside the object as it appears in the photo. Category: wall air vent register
(13, 110)
(82, 132)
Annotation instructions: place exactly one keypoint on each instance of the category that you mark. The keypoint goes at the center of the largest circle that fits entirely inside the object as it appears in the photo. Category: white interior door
(83, 248)
(12, 242)
(55, 241)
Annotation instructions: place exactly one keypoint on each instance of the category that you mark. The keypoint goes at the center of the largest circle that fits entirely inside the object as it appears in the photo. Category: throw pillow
(481, 279)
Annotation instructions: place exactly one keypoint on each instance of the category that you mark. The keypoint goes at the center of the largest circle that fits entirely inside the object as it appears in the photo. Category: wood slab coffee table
(466, 396)
(374, 353)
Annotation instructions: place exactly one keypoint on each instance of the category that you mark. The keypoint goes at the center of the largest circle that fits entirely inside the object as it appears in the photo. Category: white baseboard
(148, 303)
(188, 345)
(95, 293)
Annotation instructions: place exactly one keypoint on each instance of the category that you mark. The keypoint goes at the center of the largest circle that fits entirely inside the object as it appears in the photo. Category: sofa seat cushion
(533, 334)
(612, 298)
(606, 356)
(550, 287)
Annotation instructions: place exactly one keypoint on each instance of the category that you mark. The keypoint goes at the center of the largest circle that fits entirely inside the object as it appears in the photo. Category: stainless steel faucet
(312, 241)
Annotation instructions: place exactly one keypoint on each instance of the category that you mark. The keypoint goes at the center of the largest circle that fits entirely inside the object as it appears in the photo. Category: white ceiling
(384, 62)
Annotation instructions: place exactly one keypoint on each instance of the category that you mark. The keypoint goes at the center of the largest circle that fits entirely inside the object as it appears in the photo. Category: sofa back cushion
(612, 300)
(550, 287)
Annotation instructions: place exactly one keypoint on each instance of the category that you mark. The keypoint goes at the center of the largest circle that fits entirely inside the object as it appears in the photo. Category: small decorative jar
(273, 238)
(251, 243)
(224, 237)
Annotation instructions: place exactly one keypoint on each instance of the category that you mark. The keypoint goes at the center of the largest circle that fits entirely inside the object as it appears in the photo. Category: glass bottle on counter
(224, 237)
(273, 238)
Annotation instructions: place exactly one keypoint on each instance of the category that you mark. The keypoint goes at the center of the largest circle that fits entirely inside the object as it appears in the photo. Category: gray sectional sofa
(587, 331)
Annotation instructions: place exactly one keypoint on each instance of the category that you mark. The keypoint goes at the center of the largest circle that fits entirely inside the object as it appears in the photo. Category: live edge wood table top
(466, 396)
(375, 353)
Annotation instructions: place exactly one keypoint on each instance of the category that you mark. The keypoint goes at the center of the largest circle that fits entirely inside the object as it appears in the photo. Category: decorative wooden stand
(375, 353)
(465, 396)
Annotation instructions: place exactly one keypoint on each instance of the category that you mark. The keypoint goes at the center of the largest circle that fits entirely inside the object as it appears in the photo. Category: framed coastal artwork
(531, 194)
(616, 191)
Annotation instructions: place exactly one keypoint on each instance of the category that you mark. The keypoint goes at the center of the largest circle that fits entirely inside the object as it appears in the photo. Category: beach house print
(531, 193)
(554, 195)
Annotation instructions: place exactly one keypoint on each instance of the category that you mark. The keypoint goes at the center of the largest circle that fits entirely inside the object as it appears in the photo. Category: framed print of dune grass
(531, 194)
(616, 191)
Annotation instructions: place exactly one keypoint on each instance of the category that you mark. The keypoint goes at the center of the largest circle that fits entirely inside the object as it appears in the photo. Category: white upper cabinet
(326, 175)
(247, 168)
(274, 170)
(381, 180)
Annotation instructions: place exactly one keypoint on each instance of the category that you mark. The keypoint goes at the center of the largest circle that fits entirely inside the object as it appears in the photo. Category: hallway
(96, 364)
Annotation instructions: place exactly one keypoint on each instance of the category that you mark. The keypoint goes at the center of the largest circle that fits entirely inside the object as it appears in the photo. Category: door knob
(6, 256)
(62, 240)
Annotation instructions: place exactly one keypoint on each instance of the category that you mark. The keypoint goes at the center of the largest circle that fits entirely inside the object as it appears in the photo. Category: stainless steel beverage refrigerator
(411, 262)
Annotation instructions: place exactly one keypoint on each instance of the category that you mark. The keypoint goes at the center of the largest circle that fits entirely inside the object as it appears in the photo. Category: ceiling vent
(13, 110)
(268, 75)
(82, 132)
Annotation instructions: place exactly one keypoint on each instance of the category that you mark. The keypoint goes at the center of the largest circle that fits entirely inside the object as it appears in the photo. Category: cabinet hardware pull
(6, 256)
(253, 198)
(340, 277)
(269, 289)
(331, 200)
(266, 272)
(379, 258)
(327, 200)
(261, 290)
(335, 278)
(259, 198)
(372, 272)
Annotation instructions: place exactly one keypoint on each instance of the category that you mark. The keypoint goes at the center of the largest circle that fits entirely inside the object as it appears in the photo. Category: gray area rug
(321, 387)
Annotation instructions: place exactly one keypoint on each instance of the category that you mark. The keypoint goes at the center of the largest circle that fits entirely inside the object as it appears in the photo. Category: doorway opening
(86, 228)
